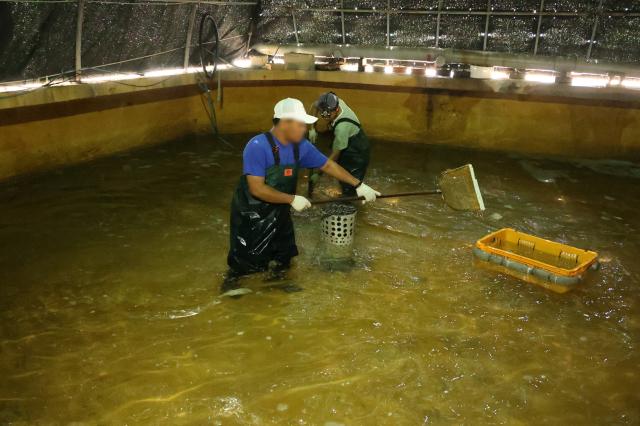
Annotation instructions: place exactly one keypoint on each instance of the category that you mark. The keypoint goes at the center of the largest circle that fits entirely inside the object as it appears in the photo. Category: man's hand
(366, 192)
(260, 190)
(300, 203)
(313, 135)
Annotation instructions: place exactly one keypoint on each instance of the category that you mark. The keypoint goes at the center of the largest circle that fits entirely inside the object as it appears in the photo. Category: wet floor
(109, 307)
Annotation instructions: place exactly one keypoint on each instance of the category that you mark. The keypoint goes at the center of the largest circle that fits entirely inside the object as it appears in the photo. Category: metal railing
(487, 13)
(387, 12)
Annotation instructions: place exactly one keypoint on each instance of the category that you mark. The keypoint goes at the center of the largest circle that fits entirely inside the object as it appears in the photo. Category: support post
(78, 54)
(187, 46)
(486, 26)
(246, 51)
(535, 46)
(344, 36)
(594, 30)
(388, 23)
(295, 25)
(438, 23)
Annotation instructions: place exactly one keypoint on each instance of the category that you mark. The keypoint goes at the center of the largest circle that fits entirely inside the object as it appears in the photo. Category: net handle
(356, 198)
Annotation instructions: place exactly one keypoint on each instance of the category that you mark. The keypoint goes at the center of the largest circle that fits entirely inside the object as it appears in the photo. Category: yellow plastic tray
(533, 259)
(551, 256)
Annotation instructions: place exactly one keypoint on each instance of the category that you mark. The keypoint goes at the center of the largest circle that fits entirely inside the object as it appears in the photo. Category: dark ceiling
(38, 38)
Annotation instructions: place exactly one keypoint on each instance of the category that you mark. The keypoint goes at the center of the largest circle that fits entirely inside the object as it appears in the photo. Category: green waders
(355, 157)
(262, 232)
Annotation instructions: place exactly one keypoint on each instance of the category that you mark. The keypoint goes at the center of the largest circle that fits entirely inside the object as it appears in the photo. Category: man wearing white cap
(262, 235)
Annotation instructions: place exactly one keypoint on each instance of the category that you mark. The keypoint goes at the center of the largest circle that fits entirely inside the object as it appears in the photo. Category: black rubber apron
(355, 157)
(262, 232)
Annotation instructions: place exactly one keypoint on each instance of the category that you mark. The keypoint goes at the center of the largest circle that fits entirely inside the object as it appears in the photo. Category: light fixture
(368, 68)
(547, 77)
(500, 74)
(430, 72)
(19, 87)
(589, 80)
(242, 63)
(349, 66)
(109, 77)
(388, 69)
(408, 70)
(164, 72)
(631, 83)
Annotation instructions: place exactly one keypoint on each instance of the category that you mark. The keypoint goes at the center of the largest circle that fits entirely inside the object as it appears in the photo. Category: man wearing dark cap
(350, 148)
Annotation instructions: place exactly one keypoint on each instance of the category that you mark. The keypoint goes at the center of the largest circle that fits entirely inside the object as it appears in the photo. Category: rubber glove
(300, 203)
(313, 135)
(368, 193)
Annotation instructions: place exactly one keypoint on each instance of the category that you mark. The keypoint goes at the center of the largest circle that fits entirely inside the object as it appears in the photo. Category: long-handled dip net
(459, 189)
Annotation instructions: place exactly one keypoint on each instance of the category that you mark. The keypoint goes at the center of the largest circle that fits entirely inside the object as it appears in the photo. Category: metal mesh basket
(338, 224)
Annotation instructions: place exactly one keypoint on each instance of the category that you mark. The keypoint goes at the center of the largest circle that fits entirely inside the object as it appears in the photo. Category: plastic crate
(553, 265)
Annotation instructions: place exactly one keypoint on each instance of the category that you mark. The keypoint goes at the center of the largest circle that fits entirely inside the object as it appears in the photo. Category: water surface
(110, 311)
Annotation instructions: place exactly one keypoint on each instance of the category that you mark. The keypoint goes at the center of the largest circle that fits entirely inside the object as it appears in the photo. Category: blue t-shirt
(258, 156)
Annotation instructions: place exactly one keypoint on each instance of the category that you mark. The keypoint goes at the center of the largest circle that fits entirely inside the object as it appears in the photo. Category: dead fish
(237, 292)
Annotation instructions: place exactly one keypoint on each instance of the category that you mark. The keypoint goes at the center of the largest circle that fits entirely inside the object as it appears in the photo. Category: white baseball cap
(292, 109)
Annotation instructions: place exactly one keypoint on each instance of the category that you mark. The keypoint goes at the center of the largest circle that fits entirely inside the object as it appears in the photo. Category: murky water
(110, 312)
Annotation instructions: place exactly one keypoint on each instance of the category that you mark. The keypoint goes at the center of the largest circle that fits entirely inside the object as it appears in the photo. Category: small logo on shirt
(288, 172)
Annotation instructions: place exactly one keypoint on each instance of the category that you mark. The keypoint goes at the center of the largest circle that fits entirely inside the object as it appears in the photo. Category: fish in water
(241, 291)
(540, 174)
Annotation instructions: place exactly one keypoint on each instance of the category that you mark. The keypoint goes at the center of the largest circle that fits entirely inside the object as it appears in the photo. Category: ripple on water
(111, 309)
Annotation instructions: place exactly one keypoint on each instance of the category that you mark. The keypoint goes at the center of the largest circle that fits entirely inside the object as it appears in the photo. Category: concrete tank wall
(68, 124)
(496, 115)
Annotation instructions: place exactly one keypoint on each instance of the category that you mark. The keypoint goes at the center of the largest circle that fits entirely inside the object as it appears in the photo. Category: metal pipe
(344, 38)
(593, 30)
(295, 25)
(558, 63)
(535, 47)
(486, 25)
(455, 12)
(187, 47)
(78, 52)
(438, 23)
(464, 12)
(388, 22)
(246, 50)
(213, 2)
(141, 3)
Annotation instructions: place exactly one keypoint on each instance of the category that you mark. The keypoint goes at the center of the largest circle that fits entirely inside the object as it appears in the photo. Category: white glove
(300, 203)
(368, 193)
(313, 135)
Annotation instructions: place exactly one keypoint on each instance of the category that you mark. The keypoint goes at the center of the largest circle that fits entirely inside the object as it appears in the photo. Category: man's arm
(363, 190)
(341, 133)
(335, 154)
(333, 169)
(264, 192)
